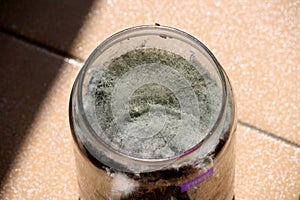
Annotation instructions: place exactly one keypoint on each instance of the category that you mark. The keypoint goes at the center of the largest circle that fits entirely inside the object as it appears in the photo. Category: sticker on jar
(196, 181)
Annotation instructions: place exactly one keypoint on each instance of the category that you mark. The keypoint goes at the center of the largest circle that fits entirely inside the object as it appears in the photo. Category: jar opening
(151, 95)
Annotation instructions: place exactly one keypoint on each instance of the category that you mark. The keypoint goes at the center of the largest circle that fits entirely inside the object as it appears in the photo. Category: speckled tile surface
(35, 147)
(265, 167)
(257, 42)
(54, 23)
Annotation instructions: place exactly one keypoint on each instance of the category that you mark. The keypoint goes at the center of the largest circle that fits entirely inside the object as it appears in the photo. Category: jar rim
(112, 40)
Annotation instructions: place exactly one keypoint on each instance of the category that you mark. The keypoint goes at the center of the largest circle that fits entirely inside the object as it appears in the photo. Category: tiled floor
(43, 44)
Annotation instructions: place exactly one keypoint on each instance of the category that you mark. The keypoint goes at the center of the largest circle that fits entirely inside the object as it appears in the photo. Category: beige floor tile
(265, 168)
(53, 23)
(35, 147)
(257, 42)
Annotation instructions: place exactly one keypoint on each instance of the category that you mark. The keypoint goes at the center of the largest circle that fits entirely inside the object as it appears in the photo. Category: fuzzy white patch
(123, 185)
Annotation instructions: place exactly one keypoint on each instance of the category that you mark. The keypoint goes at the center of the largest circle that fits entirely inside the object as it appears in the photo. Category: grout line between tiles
(270, 134)
(42, 46)
(71, 59)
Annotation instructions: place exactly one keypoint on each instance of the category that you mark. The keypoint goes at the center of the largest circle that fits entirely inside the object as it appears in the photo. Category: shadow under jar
(153, 116)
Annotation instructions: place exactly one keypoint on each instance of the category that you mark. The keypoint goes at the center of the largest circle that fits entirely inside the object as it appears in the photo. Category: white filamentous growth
(122, 185)
(153, 104)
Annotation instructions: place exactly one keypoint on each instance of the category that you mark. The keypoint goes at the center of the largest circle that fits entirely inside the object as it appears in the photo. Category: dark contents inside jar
(165, 143)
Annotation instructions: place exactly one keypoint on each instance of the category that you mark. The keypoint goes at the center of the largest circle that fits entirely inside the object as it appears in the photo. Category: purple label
(196, 181)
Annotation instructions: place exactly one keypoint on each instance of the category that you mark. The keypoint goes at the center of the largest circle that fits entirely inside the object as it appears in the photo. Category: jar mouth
(97, 142)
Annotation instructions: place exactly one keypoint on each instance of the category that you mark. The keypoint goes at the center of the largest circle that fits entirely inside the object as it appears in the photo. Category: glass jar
(153, 116)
